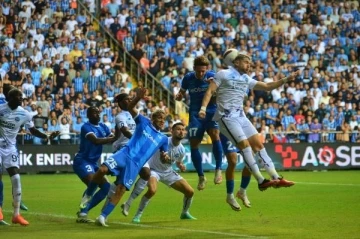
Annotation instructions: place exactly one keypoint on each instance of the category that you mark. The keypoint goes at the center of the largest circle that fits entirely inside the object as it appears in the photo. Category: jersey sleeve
(182, 153)
(251, 81)
(120, 121)
(185, 83)
(140, 119)
(218, 78)
(106, 129)
(164, 144)
(86, 130)
(28, 121)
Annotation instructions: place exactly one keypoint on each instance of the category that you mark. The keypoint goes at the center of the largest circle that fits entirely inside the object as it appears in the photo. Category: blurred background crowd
(63, 63)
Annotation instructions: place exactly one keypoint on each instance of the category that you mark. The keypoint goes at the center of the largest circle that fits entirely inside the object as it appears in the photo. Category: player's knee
(151, 191)
(189, 193)
(243, 144)
(145, 173)
(102, 170)
(214, 134)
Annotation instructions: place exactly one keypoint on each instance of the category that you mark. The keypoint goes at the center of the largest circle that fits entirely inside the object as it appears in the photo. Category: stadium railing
(133, 67)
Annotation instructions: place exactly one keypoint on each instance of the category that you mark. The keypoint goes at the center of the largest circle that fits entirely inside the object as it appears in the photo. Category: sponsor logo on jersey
(7, 124)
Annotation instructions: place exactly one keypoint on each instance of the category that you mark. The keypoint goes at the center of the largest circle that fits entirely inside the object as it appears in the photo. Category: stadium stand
(66, 57)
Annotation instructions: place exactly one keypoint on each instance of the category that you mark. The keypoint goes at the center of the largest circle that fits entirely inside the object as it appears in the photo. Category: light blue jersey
(2, 99)
(145, 141)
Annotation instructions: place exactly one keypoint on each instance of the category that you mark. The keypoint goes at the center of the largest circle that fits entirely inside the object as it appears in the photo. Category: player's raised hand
(202, 112)
(293, 75)
(179, 96)
(54, 134)
(142, 92)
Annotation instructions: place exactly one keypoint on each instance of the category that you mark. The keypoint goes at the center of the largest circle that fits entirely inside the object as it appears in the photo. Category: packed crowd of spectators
(322, 38)
(63, 64)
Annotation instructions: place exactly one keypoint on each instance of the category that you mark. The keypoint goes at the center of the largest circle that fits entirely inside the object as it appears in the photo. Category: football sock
(218, 152)
(108, 208)
(99, 196)
(245, 180)
(91, 189)
(268, 163)
(1, 193)
(143, 203)
(186, 204)
(251, 163)
(229, 186)
(197, 161)
(16, 191)
(138, 188)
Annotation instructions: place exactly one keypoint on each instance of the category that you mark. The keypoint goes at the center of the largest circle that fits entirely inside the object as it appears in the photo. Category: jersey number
(230, 146)
(14, 158)
(193, 131)
(111, 162)
(88, 168)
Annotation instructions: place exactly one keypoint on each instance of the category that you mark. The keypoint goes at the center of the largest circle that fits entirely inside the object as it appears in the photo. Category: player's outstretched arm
(141, 93)
(34, 131)
(95, 140)
(208, 94)
(275, 84)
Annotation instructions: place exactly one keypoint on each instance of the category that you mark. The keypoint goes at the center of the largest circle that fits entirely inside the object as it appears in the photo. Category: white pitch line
(309, 183)
(151, 226)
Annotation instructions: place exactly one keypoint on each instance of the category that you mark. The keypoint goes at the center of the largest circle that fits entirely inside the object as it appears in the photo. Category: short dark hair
(120, 97)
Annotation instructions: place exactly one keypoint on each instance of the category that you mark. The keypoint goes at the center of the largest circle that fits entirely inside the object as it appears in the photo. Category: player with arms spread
(196, 83)
(92, 137)
(12, 117)
(231, 86)
(127, 162)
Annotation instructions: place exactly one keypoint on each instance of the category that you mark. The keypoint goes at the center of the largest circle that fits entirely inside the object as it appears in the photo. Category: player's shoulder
(210, 74)
(189, 75)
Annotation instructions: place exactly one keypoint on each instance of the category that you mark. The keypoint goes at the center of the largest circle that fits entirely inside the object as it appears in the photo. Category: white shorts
(236, 129)
(168, 178)
(146, 165)
(9, 157)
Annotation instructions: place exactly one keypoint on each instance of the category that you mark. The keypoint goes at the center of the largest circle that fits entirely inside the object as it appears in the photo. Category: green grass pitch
(320, 205)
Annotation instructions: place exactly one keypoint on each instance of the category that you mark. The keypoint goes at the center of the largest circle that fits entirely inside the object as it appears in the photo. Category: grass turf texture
(320, 205)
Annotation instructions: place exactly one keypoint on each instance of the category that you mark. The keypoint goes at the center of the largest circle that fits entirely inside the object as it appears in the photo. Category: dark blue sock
(218, 152)
(1, 193)
(107, 209)
(229, 186)
(91, 188)
(245, 180)
(98, 197)
(197, 161)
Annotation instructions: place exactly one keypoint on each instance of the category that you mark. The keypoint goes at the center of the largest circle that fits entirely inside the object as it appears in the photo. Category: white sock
(112, 190)
(16, 191)
(138, 188)
(251, 163)
(242, 190)
(143, 203)
(230, 195)
(186, 204)
(268, 163)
